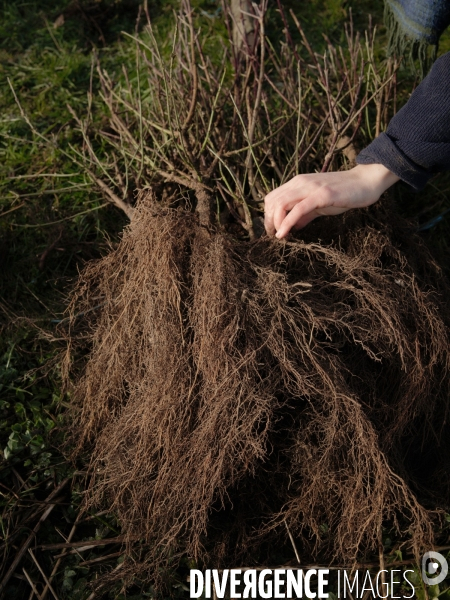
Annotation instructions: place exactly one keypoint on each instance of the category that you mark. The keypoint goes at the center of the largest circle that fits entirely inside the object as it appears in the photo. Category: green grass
(52, 220)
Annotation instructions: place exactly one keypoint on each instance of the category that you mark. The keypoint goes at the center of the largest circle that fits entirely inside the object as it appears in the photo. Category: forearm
(417, 142)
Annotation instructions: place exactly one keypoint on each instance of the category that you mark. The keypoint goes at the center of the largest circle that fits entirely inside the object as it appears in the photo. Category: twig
(93, 561)
(30, 581)
(73, 188)
(6, 212)
(32, 535)
(186, 181)
(47, 583)
(287, 32)
(34, 295)
(292, 542)
(253, 115)
(86, 544)
(49, 249)
(21, 480)
(94, 593)
(230, 207)
(127, 209)
(194, 71)
(84, 212)
(58, 562)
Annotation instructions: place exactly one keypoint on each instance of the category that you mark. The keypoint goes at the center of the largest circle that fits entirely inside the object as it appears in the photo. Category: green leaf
(414, 578)
(69, 573)
(36, 445)
(433, 591)
(19, 408)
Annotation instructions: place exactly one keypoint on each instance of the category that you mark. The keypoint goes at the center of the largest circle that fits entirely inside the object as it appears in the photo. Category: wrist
(376, 175)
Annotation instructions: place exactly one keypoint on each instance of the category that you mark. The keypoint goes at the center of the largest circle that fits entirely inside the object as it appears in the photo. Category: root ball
(233, 386)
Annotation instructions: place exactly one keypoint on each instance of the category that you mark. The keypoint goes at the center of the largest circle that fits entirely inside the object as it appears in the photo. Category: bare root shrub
(236, 385)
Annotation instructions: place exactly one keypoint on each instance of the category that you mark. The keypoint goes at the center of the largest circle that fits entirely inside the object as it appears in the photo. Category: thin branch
(127, 209)
(32, 535)
(47, 583)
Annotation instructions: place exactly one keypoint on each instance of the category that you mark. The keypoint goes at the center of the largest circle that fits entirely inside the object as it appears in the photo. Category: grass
(52, 220)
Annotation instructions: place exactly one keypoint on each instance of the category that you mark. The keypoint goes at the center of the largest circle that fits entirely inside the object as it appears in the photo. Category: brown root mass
(234, 385)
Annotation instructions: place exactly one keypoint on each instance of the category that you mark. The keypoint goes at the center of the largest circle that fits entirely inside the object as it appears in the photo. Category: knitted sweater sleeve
(416, 143)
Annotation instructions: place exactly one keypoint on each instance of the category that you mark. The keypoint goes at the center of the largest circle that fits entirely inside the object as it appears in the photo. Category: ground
(53, 220)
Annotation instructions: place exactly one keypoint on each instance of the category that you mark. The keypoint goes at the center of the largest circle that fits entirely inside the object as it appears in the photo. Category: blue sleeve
(416, 144)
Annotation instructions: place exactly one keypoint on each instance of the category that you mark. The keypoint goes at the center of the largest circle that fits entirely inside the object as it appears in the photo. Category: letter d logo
(431, 561)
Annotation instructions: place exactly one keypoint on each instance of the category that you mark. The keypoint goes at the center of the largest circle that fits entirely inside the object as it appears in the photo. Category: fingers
(281, 200)
(307, 196)
(281, 213)
(302, 199)
(300, 215)
(279, 216)
(306, 219)
(268, 221)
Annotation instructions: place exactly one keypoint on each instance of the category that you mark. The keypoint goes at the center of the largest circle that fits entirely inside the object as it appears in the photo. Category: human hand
(305, 197)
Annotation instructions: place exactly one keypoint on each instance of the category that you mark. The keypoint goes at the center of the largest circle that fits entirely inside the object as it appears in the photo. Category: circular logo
(432, 562)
